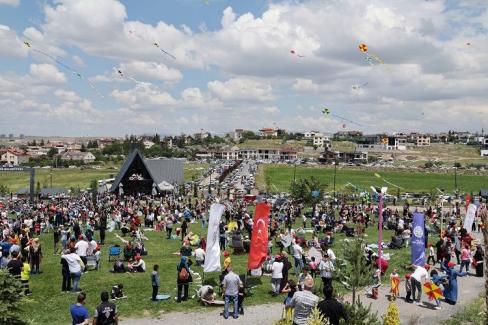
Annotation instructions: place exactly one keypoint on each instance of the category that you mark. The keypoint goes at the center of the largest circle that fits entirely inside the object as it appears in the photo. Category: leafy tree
(359, 314)
(392, 316)
(52, 152)
(316, 318)
(457, 165)
(83, 148)
(4, 190)
(42, 142)
(11, 298)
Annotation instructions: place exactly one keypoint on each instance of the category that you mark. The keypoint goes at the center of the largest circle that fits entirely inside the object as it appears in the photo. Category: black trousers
(327, 282)
(183, 286)
(66, 285)
(168, 232)
(83, 258)
(431, 258)
(102, 235)
(416, 289)
(154, 292)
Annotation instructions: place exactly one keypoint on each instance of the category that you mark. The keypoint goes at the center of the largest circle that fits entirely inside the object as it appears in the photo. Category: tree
(316, 318)
(354, 272)
(11, 298)
(42, 142)
(429, 164)
(457, 165)
(52, 152)
(392, 316)
(83, 148)
(4, 190)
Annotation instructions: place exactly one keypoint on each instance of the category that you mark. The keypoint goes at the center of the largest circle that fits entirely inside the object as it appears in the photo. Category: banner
(212, 254)
(418, 239)
(259, 241)
(469, 219)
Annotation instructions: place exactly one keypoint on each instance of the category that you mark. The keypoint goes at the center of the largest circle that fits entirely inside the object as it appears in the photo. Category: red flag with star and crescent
(259, 241)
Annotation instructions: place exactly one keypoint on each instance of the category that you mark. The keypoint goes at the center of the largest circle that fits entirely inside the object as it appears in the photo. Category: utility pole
(335, 173)
(455, 181)
(51, 174)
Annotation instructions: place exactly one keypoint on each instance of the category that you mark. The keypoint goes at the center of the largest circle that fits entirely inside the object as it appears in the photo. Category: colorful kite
(372, 59)
(327, 111)
(296, 53)
(63, 65)
(432, 291)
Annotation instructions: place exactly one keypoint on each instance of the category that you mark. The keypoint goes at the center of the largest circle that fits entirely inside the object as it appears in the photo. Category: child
(117, 291)
(376, 282)
(302, 276)
(408, 288)
(313, 267)
(395, 284)
(431, 255)
(155, 281)
(240, 301)
(290, 288)
(438, 281)
(25, 275)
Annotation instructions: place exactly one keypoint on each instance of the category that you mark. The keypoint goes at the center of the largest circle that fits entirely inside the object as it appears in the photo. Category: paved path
(469, 288)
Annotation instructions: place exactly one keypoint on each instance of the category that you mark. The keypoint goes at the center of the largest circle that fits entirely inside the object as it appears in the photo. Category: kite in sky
(357, 87)
(62, 65)
(123, 75)
(327, 111)
(296, 53)
(167, 53)
(372, 59)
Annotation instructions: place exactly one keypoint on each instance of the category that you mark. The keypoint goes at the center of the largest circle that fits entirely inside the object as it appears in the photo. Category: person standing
(25, 275)
(451, 291)
(478, 258)
(297, 257)
(106, 312)
(35, 256)
(169, 226)
(231, 284)
(56, 235)
(326, 268)
(82, 249)
(184, 228)
(66, 284)
(277, 275)
(78, 311)
(465, 258)
(303, 302)
(419, 276)
(75, 265)
(155, 281)
(183, 279)
(330, 308)
(103, 228)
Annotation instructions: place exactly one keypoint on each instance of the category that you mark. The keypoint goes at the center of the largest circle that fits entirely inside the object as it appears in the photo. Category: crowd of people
(300, 243)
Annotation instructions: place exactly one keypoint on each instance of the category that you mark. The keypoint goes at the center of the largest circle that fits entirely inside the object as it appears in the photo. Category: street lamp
(442, 207)
(335, 173)
(380, 191)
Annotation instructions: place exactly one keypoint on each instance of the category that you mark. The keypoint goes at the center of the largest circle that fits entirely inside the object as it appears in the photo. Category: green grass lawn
(49, 306)
(282, 175)
(77, 178)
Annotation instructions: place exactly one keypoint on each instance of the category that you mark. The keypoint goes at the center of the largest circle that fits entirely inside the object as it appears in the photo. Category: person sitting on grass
(206, 294)
(118, 267)
(138, 266)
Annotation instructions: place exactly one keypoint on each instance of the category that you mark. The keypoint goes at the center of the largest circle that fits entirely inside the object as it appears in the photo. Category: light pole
(335, 173)
(455, 181)
(380, 192)
(442, 207)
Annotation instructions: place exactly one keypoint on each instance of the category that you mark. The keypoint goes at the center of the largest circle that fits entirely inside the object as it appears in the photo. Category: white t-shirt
(420, 274)
(92, 246)
(297, 251)
(199, 254)
(277, 268)
(81, 247)
(331, 254)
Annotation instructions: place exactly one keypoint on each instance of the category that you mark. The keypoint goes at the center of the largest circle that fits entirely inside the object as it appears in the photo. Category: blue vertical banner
(418, 239)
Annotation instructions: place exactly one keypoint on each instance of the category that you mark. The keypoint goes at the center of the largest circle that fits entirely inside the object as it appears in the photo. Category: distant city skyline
(111, 68)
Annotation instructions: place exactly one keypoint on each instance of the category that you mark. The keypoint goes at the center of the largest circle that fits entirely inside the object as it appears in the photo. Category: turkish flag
(259, 242)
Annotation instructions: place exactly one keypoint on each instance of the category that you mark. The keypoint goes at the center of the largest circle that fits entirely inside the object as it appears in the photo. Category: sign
(418, 239)
(469, 218)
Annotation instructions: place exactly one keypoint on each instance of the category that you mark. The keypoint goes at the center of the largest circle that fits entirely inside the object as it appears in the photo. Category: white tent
(165, 186)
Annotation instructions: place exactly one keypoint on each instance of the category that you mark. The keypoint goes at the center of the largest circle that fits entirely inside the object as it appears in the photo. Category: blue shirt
(79, 313)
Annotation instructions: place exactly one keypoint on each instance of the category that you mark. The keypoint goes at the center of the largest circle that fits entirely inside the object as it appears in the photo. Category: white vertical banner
(469, 219)
(212, 255)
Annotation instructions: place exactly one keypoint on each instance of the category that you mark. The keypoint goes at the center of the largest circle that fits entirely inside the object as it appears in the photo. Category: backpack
(183, 275)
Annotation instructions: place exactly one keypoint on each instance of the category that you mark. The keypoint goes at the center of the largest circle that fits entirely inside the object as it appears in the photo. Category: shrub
(11, 298)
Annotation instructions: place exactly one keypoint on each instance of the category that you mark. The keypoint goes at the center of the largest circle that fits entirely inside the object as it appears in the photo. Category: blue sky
(233, 67)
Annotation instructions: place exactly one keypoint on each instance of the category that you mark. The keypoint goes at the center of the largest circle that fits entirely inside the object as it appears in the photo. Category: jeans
(464, 263)
(416, 286)
(275, 285)
(76, 279)
(298, 265)
(227, 299)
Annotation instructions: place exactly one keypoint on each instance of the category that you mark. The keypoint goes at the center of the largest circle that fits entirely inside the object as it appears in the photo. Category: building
(357, 157)
(421, 140)
(147, 144)
(145, 176)
(321, 140)
(310, 134)
(238, 134)
(85, 157)
(484, 152)
(271, 132)
(14, 157)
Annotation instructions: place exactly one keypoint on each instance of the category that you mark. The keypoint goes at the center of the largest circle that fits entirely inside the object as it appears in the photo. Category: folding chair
(114, 251)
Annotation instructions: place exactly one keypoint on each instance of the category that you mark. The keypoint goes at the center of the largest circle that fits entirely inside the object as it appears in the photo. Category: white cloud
(78, 61)
(271, 110)
(65, 95)
(14, 3)
(144, 96)
(10, 44)
(151, 71)
(47, 74)
(244, 89)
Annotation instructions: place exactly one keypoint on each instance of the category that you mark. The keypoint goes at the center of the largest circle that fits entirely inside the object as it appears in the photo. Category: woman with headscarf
(35, 255)
(183, 279)
(478, 260)
(286, 267)
(451, 290)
